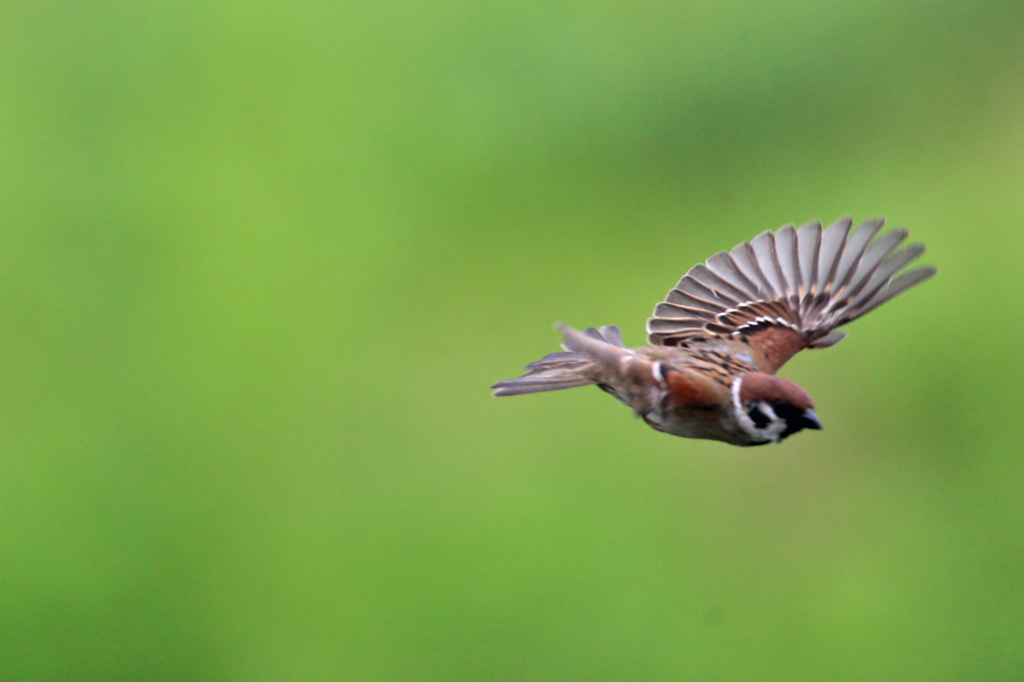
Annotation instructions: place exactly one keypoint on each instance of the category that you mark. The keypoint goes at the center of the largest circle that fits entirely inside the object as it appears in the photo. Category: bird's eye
(785, 410)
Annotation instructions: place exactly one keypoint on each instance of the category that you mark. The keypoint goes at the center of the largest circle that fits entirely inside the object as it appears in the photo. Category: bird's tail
(582, 363)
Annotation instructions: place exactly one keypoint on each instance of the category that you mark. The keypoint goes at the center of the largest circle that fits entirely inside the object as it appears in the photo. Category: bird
(720, 335)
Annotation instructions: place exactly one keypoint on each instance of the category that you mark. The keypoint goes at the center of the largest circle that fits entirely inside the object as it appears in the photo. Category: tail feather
(553, 359)
(579, 365)
(522, 386)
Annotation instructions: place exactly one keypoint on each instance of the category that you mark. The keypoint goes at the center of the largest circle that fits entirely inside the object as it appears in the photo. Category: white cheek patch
(772, 432)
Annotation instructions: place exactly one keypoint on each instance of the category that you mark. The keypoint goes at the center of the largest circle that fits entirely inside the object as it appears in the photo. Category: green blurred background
(261, 261)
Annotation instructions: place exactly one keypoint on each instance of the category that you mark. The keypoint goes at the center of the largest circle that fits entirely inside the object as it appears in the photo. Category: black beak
(810, 420)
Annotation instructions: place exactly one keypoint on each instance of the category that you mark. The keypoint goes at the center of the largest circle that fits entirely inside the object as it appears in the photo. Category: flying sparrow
(722, 333)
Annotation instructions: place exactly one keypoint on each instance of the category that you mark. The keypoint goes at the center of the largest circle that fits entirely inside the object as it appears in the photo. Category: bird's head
(769, 408)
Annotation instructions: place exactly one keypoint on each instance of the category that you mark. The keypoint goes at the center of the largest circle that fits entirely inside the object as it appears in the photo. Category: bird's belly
(708, 424)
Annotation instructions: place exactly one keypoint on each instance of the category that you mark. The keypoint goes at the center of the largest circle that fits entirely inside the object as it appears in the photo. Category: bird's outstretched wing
(788, 289)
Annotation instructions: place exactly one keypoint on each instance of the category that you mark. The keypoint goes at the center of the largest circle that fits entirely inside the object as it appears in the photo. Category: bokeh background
(260, 262)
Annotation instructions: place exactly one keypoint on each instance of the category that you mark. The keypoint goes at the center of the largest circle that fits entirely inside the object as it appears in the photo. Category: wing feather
(788, 289)
(809, 238)
(723, 265)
